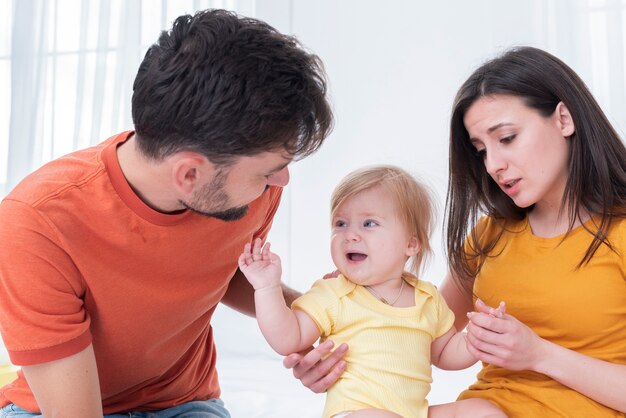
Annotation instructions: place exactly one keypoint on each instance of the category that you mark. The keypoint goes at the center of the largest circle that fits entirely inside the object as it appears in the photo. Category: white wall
(394, 68)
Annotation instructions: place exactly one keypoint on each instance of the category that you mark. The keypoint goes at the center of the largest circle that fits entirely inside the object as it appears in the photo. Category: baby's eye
(339, 224)
(369, 223)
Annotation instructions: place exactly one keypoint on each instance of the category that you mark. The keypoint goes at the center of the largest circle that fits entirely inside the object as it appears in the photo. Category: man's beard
(213, 194)
(232, 214)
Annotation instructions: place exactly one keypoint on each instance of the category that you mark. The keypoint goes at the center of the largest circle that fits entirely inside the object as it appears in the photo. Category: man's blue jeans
(213, 408)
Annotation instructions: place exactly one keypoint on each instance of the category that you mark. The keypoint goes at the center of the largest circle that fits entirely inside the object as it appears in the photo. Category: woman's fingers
(490, 322)
(485, 356)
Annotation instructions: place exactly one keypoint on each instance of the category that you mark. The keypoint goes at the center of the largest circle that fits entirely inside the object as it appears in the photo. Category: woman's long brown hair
(597, 164)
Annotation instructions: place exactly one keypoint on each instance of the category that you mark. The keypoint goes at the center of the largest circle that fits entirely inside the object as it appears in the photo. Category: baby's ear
(413, 247)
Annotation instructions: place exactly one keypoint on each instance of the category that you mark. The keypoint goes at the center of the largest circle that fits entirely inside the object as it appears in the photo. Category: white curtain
(67, 68)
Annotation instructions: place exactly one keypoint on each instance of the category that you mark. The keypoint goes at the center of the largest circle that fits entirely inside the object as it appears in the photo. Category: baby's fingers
(256, 246)
(266, 251)
(244, 260)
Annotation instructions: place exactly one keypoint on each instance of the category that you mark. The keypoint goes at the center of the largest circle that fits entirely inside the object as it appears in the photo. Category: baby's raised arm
(285, 330)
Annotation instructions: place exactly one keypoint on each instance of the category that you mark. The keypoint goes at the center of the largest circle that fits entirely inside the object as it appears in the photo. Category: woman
(531, 149)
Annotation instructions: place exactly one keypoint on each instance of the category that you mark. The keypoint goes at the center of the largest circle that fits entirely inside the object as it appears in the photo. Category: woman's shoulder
(620, 224)
(617, 233)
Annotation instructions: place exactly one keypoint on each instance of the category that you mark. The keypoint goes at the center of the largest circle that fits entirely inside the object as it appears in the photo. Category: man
(113, 259)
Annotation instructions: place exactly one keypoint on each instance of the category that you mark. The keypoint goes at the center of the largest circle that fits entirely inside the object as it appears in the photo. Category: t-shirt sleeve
(42, 317)
(274, 201)
(479, 233)
(621, 245)
(321, 304)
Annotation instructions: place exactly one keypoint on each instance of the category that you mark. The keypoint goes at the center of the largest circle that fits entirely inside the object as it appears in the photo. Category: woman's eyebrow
(498, 126)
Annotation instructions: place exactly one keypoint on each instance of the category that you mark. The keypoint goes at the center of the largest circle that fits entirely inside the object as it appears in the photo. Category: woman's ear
(564, 119)
(413, 247)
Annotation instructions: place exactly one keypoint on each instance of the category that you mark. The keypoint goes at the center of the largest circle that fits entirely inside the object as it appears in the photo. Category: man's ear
(190, 169)
(564, 119)
(413, 247)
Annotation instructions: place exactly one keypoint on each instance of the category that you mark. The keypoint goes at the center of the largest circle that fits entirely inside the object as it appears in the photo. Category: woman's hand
(313, 370)
(500, 339)
(507, 343)
(332, 275)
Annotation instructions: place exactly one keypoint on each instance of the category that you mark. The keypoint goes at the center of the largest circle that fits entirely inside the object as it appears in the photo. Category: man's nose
(280, 178)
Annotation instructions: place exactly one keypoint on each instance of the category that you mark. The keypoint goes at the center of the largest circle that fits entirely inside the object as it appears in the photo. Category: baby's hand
(260, 266)
(499, 311)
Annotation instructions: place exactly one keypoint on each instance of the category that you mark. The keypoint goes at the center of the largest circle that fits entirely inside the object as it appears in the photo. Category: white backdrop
(393, 66)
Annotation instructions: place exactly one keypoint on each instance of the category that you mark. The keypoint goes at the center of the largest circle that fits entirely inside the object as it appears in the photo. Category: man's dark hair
(227, 86)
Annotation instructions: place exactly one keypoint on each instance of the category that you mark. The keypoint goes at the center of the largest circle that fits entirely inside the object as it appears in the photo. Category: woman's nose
(494, 162)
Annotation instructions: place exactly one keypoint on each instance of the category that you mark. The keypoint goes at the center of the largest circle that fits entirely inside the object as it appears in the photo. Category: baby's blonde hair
(415, 205)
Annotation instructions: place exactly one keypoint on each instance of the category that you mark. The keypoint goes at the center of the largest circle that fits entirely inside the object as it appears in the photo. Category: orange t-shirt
(83, 260)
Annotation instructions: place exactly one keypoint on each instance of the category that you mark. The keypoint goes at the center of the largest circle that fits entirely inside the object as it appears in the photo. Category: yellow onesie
(389, 357)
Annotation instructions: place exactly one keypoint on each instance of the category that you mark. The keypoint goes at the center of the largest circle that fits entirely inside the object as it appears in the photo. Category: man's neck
(148, 179)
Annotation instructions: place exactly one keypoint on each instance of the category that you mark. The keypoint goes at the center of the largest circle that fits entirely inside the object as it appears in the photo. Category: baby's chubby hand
(261, 267)
(484, 308)
(499, 311)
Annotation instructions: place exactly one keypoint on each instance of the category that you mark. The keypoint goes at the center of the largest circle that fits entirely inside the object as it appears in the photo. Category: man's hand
(316, 371)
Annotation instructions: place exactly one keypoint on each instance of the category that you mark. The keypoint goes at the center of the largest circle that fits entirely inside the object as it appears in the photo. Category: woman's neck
(548, 222)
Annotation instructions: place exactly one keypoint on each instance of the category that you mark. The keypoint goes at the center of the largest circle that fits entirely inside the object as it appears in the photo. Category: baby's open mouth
(356, 256)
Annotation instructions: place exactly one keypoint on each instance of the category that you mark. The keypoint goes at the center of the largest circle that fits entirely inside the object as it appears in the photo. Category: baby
(396, 324)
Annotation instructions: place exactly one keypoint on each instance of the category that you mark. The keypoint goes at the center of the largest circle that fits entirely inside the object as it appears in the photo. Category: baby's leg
(468, 408)
(370, 413)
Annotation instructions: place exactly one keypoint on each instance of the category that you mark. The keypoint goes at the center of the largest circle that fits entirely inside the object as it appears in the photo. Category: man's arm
(67, 388)
(240, 294)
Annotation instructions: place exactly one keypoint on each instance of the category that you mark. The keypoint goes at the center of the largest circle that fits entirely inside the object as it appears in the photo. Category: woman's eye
(481, 153)
(507, 139)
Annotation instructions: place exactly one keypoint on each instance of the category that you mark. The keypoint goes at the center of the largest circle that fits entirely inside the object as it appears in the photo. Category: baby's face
(369, 243)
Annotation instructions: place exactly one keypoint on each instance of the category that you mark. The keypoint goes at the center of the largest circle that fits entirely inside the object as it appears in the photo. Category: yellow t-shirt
(389, 357)
(581, 309)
